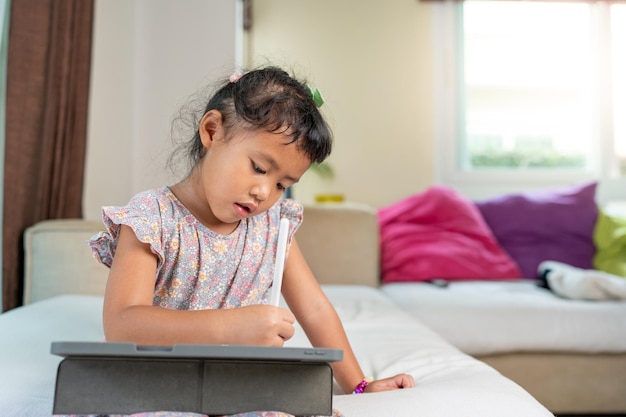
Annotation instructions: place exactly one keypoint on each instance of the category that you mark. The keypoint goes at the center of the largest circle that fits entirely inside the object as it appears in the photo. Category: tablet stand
(125, 385)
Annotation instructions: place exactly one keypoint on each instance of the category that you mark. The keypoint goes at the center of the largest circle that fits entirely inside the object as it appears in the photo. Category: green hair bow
(316, 96)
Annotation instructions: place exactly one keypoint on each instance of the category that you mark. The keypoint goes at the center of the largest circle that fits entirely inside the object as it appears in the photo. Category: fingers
(404, 381)
(264, 325)
(286, 329)
(399, 381)
(284, 321)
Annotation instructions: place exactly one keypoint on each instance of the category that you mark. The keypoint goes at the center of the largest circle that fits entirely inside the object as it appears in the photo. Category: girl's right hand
(262, 325)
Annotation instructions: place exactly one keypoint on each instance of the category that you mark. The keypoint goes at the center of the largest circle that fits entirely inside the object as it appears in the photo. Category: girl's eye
(281, 187)
(257, 169)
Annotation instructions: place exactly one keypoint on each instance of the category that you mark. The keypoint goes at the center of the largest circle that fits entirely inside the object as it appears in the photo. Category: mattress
(27, 369)
(386, 340)
(489, 317)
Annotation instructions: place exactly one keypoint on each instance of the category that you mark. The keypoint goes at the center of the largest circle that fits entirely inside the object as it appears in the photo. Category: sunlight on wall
(373, 63)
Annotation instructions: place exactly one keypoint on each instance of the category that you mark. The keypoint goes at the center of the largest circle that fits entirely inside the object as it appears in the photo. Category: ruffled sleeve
(143, 215)
(292, 210)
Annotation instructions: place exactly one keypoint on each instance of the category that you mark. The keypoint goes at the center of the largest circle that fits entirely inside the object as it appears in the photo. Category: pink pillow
(439, 234)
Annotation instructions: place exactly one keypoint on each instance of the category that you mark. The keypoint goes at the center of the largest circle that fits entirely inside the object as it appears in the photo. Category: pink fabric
(439, 234)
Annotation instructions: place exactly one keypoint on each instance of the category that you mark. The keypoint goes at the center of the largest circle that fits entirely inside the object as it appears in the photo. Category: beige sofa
(340, 241)
(567, 379)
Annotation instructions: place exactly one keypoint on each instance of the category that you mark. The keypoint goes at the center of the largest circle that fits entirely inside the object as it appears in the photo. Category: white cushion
(483, 318)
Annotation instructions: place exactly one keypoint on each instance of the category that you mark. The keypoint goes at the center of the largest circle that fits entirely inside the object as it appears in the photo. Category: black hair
(267, 98)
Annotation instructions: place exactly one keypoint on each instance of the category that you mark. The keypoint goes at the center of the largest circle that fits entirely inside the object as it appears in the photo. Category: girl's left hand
(391, 383)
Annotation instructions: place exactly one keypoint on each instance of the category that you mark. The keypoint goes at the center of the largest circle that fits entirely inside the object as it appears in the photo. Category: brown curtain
(49, 56)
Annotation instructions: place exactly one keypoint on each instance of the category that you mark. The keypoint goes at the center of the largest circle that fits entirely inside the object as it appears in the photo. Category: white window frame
(483, 184)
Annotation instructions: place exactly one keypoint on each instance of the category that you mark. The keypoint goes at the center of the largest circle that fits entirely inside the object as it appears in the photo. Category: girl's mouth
(242, 209)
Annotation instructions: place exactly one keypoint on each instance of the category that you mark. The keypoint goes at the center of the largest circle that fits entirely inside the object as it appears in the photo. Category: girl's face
(244, 175)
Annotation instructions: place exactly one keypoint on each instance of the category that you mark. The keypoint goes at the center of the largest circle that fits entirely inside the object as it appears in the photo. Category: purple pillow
(554, 225)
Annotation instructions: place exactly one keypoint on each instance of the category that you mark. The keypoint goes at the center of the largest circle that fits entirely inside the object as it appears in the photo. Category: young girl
(193, 262)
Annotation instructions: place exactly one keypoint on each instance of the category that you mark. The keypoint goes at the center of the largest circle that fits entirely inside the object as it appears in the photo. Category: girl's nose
(260, 191)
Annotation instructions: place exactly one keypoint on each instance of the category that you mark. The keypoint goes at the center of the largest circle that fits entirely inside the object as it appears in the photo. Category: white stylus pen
(281, 248)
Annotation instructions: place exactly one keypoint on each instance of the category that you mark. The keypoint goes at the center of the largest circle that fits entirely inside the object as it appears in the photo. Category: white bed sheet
(483, 318)
(27, 368)
(386, 340)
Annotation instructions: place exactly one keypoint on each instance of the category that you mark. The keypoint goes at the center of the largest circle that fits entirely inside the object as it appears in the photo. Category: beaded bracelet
(361, 387)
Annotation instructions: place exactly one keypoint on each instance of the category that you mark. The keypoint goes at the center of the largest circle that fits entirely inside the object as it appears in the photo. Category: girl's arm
(129, 315)
(323, 327)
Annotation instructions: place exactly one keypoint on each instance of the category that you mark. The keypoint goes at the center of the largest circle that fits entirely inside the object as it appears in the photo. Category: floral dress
(197, 268)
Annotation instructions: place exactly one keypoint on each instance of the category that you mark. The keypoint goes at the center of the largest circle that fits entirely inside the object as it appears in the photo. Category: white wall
(372, 60)
(148, 57)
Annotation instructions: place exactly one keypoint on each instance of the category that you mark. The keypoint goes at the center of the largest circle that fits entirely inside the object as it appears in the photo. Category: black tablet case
(123, 378)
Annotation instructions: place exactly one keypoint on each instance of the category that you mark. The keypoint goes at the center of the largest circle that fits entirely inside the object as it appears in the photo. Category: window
(531, 92)
(618, 46)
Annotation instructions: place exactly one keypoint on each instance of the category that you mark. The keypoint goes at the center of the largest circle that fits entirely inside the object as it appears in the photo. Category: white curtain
(4, 41)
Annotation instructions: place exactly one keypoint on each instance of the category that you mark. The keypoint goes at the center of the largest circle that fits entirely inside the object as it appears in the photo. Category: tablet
(125, 378)
(218, 352)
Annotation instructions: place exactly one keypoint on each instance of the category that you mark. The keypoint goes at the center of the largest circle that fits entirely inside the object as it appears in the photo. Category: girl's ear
(210, 128)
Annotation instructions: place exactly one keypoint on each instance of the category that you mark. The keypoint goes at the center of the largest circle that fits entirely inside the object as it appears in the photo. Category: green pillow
(609, 238)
